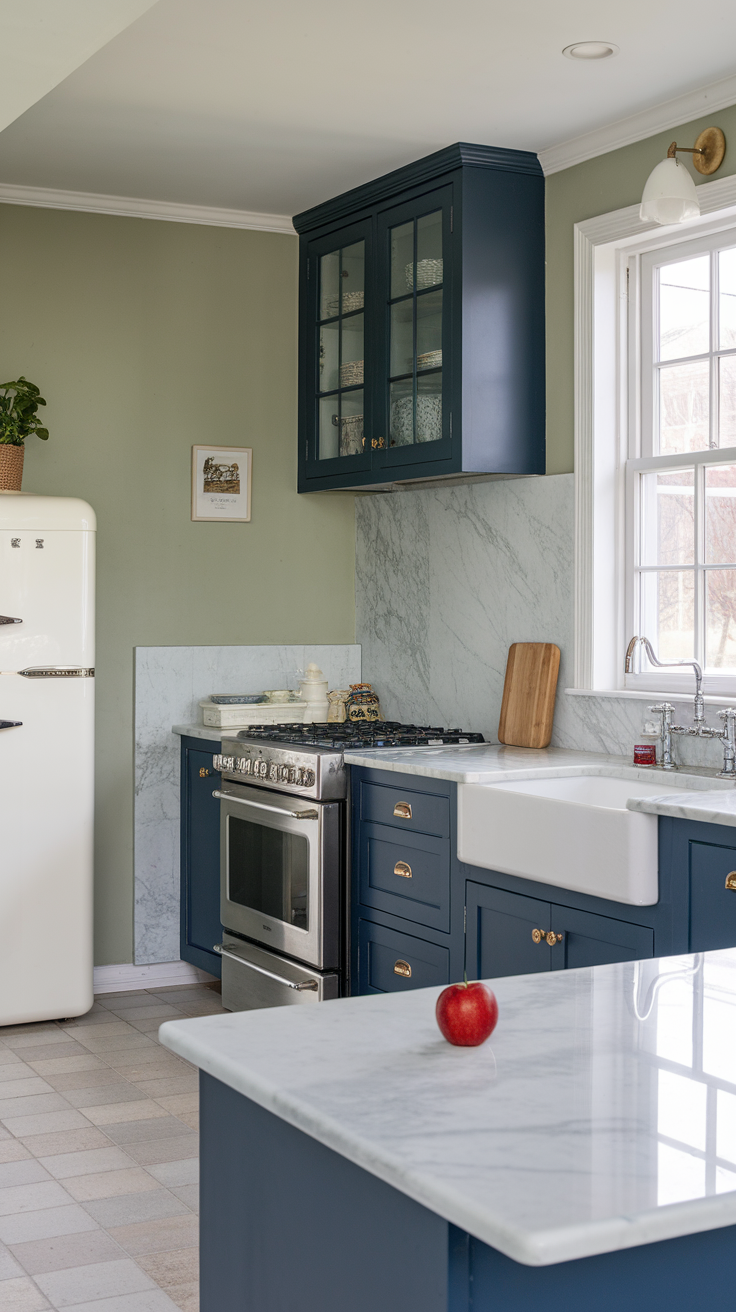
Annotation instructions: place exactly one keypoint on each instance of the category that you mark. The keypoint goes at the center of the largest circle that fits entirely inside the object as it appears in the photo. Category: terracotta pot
(11, 467)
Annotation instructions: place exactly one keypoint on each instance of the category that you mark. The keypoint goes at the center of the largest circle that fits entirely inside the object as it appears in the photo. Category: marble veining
(715, 808)
(491, 763)
(578, 1128)
(448, 577)
(169, 684)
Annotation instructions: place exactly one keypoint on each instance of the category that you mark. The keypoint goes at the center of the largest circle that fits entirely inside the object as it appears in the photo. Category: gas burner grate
(382, 733)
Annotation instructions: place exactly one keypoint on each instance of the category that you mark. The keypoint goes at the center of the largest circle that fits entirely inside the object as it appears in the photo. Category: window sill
(667, 694)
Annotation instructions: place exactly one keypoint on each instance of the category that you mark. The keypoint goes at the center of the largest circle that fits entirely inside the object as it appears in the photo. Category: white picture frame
(221, 483)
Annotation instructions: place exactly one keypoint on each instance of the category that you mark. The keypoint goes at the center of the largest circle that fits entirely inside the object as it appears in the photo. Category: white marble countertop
(585, 1124)
(718, 808)
(202, 731)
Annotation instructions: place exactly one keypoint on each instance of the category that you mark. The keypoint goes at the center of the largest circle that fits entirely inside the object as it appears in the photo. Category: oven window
(268, 871)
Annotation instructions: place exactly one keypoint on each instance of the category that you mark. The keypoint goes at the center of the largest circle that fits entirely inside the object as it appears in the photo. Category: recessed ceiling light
(590, 50)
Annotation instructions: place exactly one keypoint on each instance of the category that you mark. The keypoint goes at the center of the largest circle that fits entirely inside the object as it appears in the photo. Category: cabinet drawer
(426, 813)
(390, 962)
(406, 875)
(712, 904)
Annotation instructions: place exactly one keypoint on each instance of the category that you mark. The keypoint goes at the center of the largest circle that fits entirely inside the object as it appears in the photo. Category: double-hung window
(681, 472)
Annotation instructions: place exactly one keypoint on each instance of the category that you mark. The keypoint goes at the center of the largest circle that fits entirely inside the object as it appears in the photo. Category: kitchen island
(583, 1158)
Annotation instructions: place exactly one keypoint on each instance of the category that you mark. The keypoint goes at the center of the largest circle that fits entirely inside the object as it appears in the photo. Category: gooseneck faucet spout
(699, 705)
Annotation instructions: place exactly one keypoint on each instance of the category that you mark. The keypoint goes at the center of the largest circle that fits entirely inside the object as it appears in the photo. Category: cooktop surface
(381, 733)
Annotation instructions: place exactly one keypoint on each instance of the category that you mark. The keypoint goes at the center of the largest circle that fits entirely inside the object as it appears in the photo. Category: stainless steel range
(284, 856)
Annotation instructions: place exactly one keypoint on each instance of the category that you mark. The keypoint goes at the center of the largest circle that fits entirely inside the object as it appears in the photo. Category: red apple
(467, 1014)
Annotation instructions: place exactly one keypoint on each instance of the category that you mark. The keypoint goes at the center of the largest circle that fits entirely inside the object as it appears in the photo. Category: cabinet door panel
(202, 904)
(712, 904)
(499, 933)
(406, 875)
(390, 962)
(592, 940)
(405, 809)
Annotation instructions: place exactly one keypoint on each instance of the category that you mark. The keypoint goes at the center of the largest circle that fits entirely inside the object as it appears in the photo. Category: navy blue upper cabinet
(421, 324)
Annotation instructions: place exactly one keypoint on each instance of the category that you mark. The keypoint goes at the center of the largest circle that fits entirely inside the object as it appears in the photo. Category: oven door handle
(311, 814)
(307, 985)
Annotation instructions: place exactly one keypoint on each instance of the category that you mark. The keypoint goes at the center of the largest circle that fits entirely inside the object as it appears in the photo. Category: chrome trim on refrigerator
(57, 672)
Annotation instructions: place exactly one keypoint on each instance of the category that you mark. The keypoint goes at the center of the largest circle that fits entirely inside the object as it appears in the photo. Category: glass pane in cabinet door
(402, 337)
(329, 283)
(329, 345)
(429, 250)
(352, 439)
(429, 331)
(402, 259)
(329, 427)
(429, 407)
(352, 278)
(720, 618)
(402, 413)
(353, 352)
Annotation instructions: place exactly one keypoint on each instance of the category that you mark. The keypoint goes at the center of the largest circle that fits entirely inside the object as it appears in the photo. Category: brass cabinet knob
(546, 936)
(731, 880)
(553, 938)
(401, 868)
(402, 968)
(538, 935)
(403, 810)
(203, 772)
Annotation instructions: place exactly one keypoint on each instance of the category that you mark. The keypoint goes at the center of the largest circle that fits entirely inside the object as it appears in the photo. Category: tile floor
(98, 1159)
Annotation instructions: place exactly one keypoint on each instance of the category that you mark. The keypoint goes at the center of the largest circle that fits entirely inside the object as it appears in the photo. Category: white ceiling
(276, 106)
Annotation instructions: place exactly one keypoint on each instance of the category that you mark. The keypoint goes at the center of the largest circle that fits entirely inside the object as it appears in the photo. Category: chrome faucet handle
(728, 714)
(728, 738)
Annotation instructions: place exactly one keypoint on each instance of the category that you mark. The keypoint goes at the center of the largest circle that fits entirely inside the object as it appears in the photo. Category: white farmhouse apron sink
(572, 832)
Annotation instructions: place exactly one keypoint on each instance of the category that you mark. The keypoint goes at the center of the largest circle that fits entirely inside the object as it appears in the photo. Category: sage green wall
(606, 183)
(146, 337)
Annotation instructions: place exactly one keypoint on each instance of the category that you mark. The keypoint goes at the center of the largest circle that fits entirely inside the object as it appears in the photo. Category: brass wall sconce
(670, 195)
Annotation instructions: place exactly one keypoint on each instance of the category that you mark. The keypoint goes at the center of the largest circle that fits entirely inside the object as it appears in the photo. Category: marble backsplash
(448, 577)
(169, 684)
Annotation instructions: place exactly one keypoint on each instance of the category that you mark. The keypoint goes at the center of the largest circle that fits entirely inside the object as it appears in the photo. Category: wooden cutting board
(528, 705)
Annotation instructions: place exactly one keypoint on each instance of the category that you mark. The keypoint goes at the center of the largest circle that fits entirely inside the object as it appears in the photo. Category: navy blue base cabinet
(421, 324)
(421, 917)
(200, 856)
(288, 1224)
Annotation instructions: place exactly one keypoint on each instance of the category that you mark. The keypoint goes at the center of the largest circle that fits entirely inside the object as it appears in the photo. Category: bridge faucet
(699, 704)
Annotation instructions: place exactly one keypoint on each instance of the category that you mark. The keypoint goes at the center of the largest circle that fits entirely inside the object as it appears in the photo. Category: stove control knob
(273, 773)
(263, 771)
(283, 774)
(217, 762)
(308, 777)
(227, 763)
(246, 766)
(294, 775)
(241, 765)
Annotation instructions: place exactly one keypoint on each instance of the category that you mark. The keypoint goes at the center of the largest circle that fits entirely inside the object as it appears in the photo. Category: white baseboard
(163, 974)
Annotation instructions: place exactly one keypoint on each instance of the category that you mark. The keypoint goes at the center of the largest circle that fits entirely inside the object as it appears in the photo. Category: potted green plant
(19, 402)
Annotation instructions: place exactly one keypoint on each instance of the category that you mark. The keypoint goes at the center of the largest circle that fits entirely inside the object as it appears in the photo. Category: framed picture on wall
(221, 479)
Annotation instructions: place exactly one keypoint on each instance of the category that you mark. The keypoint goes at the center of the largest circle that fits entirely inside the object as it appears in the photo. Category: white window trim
(601, 249)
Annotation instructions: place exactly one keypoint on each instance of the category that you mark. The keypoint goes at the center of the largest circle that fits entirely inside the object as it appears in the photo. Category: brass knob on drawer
(402, 968)
(538, 935)
(731, 880)
(401, 868)
(403, 810)
(553, 938)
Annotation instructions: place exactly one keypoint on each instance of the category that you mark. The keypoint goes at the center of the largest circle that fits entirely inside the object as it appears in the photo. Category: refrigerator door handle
(57, 672)
(9, 619)
(10, 724)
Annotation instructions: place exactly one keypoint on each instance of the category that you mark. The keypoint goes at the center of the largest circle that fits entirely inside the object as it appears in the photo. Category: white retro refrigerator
(47, 577)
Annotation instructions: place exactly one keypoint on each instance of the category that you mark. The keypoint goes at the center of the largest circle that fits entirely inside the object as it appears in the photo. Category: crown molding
(131, 207)
(625, 131)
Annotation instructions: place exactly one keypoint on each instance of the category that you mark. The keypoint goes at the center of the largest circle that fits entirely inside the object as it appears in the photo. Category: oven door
(280, 872)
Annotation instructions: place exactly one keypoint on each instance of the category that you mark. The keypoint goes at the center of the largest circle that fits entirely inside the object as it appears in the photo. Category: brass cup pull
(402, 968)
(731, 880)
(401, 868)
(403, 810)
(549, 937)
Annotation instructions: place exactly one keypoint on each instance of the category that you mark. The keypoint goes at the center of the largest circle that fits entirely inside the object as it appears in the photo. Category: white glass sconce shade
(669, 194)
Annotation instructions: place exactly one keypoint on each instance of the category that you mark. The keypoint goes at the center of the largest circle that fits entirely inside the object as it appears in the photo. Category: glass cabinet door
(416, 290)
(339, 392)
